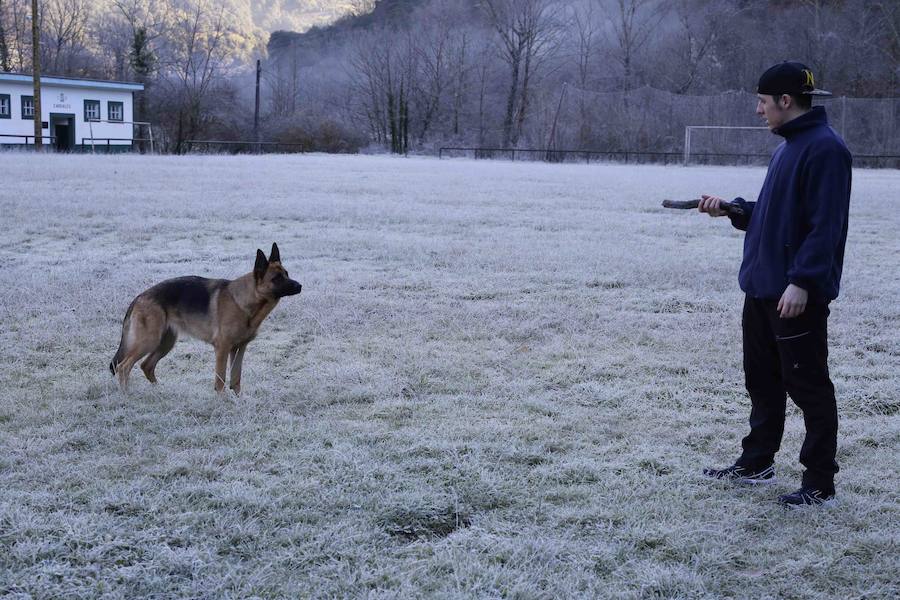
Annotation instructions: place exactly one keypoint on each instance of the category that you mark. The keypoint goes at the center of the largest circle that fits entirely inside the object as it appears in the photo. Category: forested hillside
(580, 74)
(415, 74)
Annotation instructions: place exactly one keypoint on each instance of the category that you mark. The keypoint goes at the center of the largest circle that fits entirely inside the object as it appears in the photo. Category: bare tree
(147, 22)
(194, 59)
(482, 98)
(64, 26)
(4, 48)
(382, 65)
(368, 64)
(889, 20)
(633, 22)
(433, 47)
(459, 75)
(109, 31)
(684, 52)
(16, 24)
(282, 76)
(821, 21)
(528, 34)
(474, 77)
(586, 26)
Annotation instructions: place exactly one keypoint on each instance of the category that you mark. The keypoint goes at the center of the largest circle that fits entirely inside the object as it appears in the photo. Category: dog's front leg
(221, 363)
(237, 360)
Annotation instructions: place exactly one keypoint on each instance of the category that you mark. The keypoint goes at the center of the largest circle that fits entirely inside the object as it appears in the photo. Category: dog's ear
(259, 269)
(275, 255)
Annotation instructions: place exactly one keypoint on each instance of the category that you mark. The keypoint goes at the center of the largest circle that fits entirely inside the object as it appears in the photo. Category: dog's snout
(293, 288)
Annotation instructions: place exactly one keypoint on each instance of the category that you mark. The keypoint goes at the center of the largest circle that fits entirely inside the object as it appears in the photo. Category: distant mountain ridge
(383, 11)
(297, 15)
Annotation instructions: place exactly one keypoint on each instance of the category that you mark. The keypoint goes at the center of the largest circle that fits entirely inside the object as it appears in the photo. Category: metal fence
(559, 156)
(25, 139)
(106, 145)
(586, 156)
(551, 155)
(648, 119)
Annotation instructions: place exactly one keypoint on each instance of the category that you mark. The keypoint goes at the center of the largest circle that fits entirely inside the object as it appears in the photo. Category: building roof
(96, 84)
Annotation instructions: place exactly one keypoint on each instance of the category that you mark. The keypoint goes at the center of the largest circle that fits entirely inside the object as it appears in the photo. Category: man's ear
(259, 269)
(274, 255)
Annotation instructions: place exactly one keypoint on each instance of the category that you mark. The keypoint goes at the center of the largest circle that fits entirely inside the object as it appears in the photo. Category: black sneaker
(807, 497)
(739, 474)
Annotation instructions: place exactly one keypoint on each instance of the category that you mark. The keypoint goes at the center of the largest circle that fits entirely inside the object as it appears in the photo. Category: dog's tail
(120, 353)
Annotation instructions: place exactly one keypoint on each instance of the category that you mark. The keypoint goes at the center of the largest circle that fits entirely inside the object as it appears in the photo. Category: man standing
(791, 270)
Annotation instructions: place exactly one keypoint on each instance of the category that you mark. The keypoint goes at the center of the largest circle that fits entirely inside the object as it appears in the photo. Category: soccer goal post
(133, 124)
(690, 128)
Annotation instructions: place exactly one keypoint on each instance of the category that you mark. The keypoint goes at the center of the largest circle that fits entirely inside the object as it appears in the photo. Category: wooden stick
(728, 207)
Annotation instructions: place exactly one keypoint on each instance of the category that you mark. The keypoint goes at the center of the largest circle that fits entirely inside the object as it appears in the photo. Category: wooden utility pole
(36, 74)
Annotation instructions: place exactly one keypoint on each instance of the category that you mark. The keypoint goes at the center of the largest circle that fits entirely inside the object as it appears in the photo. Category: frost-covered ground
(500, 380)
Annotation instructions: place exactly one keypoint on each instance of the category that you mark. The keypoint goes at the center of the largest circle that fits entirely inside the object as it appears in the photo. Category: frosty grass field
(500, 380)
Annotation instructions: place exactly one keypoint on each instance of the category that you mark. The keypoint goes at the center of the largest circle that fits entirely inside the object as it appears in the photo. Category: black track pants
(789, 357)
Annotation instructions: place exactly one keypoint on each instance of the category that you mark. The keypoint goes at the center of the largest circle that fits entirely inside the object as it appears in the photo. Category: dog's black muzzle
(290, 288)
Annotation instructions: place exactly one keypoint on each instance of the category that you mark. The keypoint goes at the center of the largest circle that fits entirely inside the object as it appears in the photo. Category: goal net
(723, 144)
(141, 133)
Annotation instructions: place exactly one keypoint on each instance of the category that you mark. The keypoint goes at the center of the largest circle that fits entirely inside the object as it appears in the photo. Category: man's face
(771, 110)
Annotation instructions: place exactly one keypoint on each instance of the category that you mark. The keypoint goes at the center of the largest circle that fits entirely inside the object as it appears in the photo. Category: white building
(73, 112)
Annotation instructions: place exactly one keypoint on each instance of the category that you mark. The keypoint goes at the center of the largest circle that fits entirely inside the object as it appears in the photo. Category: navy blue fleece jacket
(797, 228)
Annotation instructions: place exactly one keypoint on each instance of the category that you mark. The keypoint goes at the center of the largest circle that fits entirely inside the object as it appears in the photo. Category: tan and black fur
(225, 313)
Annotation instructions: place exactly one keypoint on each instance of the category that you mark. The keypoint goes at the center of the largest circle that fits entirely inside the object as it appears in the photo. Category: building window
(27, 107)
(5, 107)
(91, 110)
(115, 111)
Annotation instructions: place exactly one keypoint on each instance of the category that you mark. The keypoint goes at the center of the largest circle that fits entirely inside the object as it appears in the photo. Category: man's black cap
(789, 78)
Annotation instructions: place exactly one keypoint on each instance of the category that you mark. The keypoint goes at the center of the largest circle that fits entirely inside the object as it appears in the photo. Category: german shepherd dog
(225, 313)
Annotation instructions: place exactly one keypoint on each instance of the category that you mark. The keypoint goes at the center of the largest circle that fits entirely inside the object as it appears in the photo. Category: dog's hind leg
(144, 334)
(165, 346)
(123, 343)
(134, 354)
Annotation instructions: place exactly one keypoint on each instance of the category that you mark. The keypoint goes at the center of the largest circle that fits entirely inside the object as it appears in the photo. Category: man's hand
(710, 205)
(792, 302)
